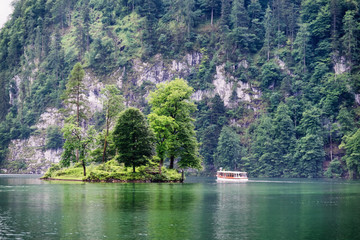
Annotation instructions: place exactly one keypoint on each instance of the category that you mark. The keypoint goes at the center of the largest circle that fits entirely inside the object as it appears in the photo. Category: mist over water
(198, 209)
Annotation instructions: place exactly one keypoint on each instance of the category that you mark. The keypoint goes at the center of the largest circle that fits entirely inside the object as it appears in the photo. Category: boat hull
(232, 180)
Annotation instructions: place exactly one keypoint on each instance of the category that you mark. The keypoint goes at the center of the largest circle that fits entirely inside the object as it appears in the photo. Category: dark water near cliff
(199, 209)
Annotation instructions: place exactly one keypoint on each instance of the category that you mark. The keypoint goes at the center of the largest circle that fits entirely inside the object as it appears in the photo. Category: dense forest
(300, 56)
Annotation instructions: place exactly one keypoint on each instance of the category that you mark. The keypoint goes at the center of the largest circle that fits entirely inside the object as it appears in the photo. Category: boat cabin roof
(230, 172)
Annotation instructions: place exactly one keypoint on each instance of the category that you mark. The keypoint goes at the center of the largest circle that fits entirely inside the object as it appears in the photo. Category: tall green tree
(225, 14)
(75, 93)
(346, 121)
(284, 140)
(113, 104)
(212, 122)
(239, 16)
(172, 103)
(351, 144)
(268, 32)
(310, 122)
(350, 39)
(302, 48)
(310, 155)
(262, 150)
(163, 127)
(78, 144)
(212, 6)
(229, 151)
(75, 135)
(133, 138)
(310, 147)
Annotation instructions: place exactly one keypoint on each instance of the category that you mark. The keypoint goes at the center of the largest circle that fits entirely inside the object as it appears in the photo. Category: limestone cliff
(31, 156)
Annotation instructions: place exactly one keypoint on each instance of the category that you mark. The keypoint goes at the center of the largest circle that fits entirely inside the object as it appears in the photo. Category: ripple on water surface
(198, 209)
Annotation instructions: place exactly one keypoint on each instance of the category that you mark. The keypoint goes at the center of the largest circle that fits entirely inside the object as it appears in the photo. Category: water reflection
(33, 209)
(232, 211)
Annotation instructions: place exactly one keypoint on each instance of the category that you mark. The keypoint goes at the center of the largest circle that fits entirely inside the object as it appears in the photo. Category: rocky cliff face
(31, 156)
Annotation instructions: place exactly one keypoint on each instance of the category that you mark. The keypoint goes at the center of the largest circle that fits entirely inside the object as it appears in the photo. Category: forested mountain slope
(276, 81)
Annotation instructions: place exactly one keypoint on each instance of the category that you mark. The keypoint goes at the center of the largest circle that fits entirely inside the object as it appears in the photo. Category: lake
(198, 209)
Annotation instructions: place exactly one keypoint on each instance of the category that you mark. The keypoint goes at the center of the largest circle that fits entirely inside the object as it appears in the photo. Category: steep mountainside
(276, 79)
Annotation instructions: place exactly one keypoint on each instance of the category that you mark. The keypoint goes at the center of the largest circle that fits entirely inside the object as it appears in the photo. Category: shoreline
(110, 181)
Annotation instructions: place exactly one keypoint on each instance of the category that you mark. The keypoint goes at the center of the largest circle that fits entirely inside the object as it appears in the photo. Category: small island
(112, 171)
(132, 147)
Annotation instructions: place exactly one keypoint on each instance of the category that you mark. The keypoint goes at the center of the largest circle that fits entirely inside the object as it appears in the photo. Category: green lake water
(198, 209)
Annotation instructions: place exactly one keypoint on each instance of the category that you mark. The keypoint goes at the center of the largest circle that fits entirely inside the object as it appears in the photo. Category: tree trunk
(84, 167)
(133, 168)
(212, 15)
(104, 152)
(160, 165)
(78, 116)
(107, 133)
(172, 159)
(331, 150)
(78, 105)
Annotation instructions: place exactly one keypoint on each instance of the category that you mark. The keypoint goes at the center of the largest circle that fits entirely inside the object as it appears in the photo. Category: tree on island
(74, 95)
(112, 105)
(173, 125)
(77, 139)
(133, 138)
(77, 145)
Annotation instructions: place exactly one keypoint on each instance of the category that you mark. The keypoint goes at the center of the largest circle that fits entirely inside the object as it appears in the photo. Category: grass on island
(113, 171)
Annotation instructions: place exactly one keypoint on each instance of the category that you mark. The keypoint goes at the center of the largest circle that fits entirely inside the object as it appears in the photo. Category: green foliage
(310, 122)
(349, 40)
(172, 123)
(78, 143)
(335, 169)
(270, 76)
(352, 146)
(346, 121)
(133, 138)
(310, 156)
(97, 154)
(287, 49)
(229, 151)
(102, 55)
(50, 172)
(112, 105)
(74, 95)
(205, 72)
(54, 139)
(112, 171)
(260, 160)
(284, 141)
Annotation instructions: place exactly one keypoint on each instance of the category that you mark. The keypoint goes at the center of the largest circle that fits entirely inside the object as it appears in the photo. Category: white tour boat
(231, 176)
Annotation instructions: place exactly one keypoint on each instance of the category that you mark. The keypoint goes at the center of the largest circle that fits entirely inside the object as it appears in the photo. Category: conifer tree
(350, 38)
(212, 6)
(302, 47)
(77, 138)
(268, 32)
(229, 151)
(133, 138)
(75, 95)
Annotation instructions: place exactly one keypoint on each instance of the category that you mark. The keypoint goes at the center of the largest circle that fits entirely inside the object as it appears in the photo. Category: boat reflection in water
(231, 176)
